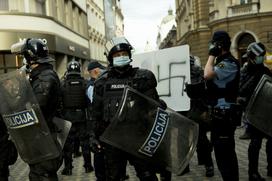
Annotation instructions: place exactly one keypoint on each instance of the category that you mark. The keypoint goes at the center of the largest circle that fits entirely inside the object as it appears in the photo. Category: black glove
(214, 49)
(95, 145)
(163, 104)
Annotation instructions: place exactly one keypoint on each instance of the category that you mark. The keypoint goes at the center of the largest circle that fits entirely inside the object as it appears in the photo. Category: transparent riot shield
(258, 111)
(160, 136)
(24, 120)
(63, 128)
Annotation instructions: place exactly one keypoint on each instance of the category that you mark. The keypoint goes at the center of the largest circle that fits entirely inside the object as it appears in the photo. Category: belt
(220, 110)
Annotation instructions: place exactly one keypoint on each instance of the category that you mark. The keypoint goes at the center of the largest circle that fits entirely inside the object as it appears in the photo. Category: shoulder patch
(221, 65)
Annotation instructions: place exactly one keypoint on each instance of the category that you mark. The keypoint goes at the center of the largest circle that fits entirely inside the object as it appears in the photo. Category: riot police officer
(74, 109)
(196, 91)
(8, 152)
(251, 74)
(108, 92)
(222, 72)
(46, 85)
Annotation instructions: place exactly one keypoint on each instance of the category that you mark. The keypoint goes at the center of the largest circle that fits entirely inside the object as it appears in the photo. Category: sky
(141, 20)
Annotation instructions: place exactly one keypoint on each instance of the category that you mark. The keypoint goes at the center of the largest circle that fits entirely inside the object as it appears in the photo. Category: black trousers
(116, 162)
(78, 130)
(254, 150)
(99, 166)
(204, 147)
(222, 137)
(8, 156)
(45, 170)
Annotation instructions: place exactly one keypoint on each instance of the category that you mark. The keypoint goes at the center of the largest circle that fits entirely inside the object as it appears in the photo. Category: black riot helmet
(255, 52)
(34, 50)
(73, 67)
(115, 45)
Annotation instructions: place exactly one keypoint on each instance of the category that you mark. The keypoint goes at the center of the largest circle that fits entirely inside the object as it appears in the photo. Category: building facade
(63, 23)
(96, 30)
(167, 29)
(245, 20)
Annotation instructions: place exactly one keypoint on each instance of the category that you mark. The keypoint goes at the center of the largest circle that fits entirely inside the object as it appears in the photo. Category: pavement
(19, 171)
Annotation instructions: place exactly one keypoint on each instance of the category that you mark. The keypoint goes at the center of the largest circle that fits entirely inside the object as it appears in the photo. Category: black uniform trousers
(99, 166)
(45, 170)
(4, 170)
(254, 150)
(116, 162)
(204, 147)
(222, 137)
(78, 129)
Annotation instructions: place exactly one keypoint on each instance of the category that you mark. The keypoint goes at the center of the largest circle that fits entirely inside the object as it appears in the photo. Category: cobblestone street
(19, 171)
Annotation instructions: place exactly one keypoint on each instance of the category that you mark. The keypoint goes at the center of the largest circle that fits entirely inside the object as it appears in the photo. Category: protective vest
(250, 77)
(230, 92)
(139, 79)
(74, 91)
(113, 91)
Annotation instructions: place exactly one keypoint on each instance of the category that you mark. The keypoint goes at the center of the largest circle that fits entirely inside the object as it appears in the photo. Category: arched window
(243, 42)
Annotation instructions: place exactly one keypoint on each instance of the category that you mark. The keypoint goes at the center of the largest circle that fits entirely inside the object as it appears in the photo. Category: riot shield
(24, 119)
(159, 136)
(63, 128)
(258, 110)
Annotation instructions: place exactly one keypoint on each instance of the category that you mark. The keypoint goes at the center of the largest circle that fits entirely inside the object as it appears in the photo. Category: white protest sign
(171, 67)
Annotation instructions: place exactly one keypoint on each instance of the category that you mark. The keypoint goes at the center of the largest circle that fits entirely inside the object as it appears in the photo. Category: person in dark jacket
(197, 112)
(74, 108)
(108, 92)
(251, 74)
(95, 69)
(46, 86)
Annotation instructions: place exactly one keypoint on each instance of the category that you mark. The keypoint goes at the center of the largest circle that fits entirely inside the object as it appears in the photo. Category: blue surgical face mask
(121, 61)
(259, 60)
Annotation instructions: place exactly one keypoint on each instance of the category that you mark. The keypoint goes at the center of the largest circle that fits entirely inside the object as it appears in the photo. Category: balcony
(213, 15)
(243, 9)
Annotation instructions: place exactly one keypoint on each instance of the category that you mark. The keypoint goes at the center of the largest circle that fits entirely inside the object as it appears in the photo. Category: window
(40, 7)
(245, 1)
(9, 62)
(4, 5)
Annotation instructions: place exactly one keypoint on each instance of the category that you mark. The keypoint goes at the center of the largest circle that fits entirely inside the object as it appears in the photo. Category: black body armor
(46, 86)
(74, 99)
(109, 90)
(74, 92)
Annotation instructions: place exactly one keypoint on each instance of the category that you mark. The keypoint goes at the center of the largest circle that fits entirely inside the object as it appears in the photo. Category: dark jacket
(46, 87)
(105, 102)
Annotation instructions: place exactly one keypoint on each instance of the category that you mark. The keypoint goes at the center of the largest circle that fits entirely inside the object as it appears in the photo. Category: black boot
(209, 171)
(66, 171)
(88, 169)
(256, 177)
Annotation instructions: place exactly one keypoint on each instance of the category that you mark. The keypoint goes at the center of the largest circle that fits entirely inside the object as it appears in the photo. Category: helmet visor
(115, 41)
(19, 47)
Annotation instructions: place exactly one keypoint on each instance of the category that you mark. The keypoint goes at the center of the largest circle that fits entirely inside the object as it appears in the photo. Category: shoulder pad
(144, 73)
(48, 75)
(146, 78)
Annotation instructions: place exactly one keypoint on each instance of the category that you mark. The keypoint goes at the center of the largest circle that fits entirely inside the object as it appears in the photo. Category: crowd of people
(219, 95)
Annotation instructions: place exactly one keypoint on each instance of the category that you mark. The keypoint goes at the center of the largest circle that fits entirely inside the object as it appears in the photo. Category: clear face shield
(113, 42)
(256, 54)
(19, 47)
